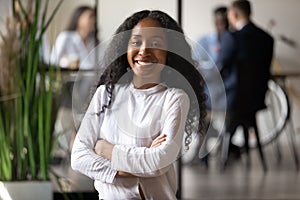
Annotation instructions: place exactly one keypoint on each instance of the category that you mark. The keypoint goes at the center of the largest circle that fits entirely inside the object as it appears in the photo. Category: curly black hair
(179, 58)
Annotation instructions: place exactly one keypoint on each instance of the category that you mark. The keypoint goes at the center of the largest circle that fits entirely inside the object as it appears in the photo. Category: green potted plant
(26, 98)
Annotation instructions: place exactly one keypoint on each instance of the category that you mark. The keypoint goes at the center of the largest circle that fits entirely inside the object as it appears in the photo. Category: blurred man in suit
(253, 61)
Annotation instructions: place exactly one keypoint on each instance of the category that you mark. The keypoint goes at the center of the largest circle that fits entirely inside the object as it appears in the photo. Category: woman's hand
(104, 149)
(122, 174)
(158, 141)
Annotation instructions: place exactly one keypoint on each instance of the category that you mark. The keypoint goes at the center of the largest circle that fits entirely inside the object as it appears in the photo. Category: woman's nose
(144, 50)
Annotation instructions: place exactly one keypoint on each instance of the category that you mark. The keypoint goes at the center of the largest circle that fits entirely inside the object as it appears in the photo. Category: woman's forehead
(148, 27)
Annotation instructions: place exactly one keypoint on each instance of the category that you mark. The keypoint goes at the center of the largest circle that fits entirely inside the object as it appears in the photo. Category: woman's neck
(83, 35)
(142, 83)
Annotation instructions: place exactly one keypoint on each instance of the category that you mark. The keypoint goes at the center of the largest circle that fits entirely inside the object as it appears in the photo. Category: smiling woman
(149, 95)
(146, 53)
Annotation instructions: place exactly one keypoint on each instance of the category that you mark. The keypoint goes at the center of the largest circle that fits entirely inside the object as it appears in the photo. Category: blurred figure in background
(220, 46)
(72, 46)
(72, 50)
(253, 63)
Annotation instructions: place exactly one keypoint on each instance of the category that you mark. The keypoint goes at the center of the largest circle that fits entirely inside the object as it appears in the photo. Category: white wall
(113, 12)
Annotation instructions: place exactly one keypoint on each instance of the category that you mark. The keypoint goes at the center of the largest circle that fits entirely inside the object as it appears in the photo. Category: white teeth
(144, 63)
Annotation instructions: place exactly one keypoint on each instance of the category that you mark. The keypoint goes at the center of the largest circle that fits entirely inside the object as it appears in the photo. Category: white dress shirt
(69, 47)
(135, 118)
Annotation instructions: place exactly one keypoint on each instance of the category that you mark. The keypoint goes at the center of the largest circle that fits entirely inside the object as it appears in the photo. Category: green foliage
(26, 95)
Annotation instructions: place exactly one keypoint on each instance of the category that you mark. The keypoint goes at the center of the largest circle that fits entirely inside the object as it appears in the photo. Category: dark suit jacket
(253, 63)
(225, 63)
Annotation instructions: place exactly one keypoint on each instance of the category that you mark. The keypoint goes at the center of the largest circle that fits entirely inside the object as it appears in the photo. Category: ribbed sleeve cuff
(110, 176)
(117, 155)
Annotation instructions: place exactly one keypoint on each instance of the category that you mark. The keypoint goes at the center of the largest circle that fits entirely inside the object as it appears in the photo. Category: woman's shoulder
(67, 34)
(117, 87)
(176, 93)
(122, 86)
(176, 97)
(100, 91)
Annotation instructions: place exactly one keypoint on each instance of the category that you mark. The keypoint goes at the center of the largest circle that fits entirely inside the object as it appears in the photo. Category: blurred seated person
(220, 46)
(72, 50)
(253, 63)
(73, 45)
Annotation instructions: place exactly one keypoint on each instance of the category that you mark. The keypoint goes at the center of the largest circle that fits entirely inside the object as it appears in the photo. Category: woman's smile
(146, 53)
(143, 63)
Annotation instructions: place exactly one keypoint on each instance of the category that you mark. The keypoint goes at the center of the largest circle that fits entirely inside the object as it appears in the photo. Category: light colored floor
(281, 181)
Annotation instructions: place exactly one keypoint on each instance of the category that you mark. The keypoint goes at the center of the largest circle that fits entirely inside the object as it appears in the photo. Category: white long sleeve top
(135, 118)
(69, 47)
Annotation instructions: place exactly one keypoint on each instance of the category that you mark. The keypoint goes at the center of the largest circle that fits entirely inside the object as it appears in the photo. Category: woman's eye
(135, 43)
(155, 44)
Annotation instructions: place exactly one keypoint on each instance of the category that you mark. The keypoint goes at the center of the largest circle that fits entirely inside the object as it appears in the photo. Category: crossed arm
(104, 148)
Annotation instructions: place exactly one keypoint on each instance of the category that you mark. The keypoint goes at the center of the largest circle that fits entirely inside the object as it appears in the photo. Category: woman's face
(87, 21)
(146, 52)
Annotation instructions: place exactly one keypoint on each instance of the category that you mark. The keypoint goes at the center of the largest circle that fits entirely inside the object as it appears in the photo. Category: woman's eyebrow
(154, 36)
(135, 35)
(158, 37)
